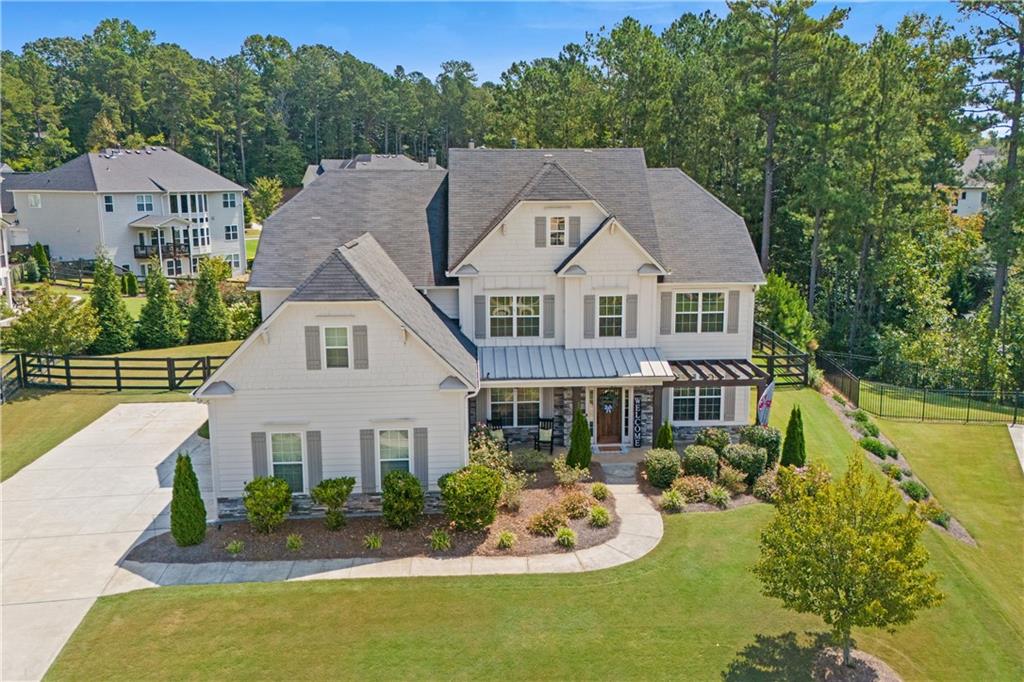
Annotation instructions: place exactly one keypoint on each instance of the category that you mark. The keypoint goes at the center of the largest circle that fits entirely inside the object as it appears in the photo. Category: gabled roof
(150, 169)
(605, 225)
(485, 183)
(976, 160)
(158, 221)
(11, 181)
(405, 210)
(361, 270)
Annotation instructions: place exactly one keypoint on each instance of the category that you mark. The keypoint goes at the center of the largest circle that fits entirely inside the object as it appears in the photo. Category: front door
(609, 415)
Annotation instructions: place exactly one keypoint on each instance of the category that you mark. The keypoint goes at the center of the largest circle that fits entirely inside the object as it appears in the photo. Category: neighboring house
(9, 180)
(364, 162)
(514, 287)
(5, 263)
(972, 195)
(136, 204)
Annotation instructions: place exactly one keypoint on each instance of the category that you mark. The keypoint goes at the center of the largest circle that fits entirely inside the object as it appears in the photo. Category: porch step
(619, 472)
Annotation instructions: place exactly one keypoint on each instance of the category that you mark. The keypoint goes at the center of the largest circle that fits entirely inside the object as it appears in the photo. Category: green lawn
(689, 610)
(250, 247)
(134, 303)
(902, 403)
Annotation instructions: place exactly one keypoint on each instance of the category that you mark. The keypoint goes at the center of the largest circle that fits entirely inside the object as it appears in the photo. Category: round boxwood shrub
(747, 458)
(692, 488)
(662, 467)
(267, 502)
(333, 493)
(915, 490)
(766, 487)
(766, 437)
(716, 439)
(401, 499)
(471, 496)
(700, 460)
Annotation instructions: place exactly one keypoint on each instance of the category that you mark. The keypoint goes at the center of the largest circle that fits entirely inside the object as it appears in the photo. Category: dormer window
(556, 231)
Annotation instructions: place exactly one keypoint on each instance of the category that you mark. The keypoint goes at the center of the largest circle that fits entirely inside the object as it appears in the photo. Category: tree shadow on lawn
(782, 657)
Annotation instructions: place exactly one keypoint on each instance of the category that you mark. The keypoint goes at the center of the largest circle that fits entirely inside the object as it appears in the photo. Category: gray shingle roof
(405, 210)
(362, 270)
(976, 159)
(12, 181)
(702, 240)
(482, 183)
(152, 169)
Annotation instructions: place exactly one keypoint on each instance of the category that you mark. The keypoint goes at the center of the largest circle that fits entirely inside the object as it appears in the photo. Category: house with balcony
(513, 288)
(137, 204)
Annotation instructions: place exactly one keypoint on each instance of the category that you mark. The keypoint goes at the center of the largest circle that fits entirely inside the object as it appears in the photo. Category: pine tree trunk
(815, 247)
(1010, 190)
(769, 177)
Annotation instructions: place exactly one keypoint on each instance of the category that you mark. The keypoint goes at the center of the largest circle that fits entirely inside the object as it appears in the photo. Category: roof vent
(149, 151)
(549, 156)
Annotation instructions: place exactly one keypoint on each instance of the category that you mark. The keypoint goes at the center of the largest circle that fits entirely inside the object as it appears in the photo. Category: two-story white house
(137, 204)
(971, 197)
(514, 287)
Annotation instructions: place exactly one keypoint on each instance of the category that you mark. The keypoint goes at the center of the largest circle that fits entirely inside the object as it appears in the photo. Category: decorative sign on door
(637, 421)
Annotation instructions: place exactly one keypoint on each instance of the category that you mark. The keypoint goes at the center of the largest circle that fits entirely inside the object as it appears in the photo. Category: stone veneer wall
(686, 434)
(359, 504)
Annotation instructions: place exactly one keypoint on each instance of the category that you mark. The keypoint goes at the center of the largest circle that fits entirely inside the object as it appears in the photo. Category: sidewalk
(639, 532)
(1017, 436)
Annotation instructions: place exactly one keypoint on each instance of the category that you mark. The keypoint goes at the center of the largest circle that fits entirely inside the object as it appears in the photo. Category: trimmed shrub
(892, 452)
(874, 446)
(915, 490)
(471, 496)
(599, 517)
(930, 510)
(718, 496)
(700, 460)
(662, 467)
(859, 415)
(692, 488)
(839, 399)
(547, 521)
(294, 542)
(243, 317)
(42, 260)
(907, 472)
(665, 440)
(766, 487)
(440, 540)
(486, 450)
(576, 504)
(567, 475)
(716, 439)
(267, 502)
(565, 537)
(579, 442)
(235, 547)
(401, 499)
(892, 471)
(131, 284)
(866, 428)
(794, 450)
(672, 501)
(333, 493)
(599, 491)
(766, 437)
(188, 513)
(373, 541)
(31, 270)
(732, 479)
(123, 282)
(507, 539)
(746, 458)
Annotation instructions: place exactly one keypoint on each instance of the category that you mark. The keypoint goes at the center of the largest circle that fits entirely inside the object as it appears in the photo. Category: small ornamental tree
(188, 513)
(160, 323)
(31, 270)
(847, 551)
(264, 197)
(579, 442)
(53, 324)
(117, 328)
(42, 260)
(665, 440)
(333, 493)
(794, 450)
(208, 316)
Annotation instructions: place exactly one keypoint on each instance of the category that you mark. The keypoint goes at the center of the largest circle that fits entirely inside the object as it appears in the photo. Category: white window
(35, 201)
(144, 203)
(228, 199)
(173, 267)
(235, 260)
(108, 203)
(195, 263)
(200, 235)
(231, 233)
(188, 203)
(393, 451)
(703, 312)
(515, 406)
(143, 269)
(556, 231)
(609, 316)
(514, 316)
(692, 404)
(286, 459)
(336, 346)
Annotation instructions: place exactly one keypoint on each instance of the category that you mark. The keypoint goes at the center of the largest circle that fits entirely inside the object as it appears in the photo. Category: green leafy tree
(188, 512)
(847, 551)
(208, 315)
(42, 260)
(794, 450)
(54, 324)
(160, 323)
(781, 307)
(117, 328)
(264, 197)
(579, 442)
(665, 439)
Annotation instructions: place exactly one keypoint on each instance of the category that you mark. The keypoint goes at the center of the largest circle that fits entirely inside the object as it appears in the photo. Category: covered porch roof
(153, 221)
(547, 363)
(694, 373)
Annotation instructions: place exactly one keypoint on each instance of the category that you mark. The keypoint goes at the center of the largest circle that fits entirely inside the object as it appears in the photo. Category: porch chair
(544, 439)
(498, 433)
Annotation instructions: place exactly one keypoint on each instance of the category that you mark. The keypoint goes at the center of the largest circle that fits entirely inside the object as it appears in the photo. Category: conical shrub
(794, 450)
(188, 513)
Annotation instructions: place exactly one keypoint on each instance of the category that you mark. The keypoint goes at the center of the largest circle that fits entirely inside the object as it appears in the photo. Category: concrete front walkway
(70, 516)
(640, 531)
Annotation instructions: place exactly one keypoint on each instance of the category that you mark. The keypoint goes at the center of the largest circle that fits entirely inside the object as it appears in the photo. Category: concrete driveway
(71, 515)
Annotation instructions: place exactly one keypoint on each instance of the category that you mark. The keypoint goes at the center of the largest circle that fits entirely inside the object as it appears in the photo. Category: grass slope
(689, 610)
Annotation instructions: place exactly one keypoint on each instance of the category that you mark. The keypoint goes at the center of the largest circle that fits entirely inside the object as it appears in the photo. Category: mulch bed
(320, 543)
(828, 667)
(654, 494)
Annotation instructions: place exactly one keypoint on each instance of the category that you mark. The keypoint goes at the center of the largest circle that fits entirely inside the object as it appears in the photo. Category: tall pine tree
(208, 316)
(160, 324)
(794, 450)
(117, 328)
